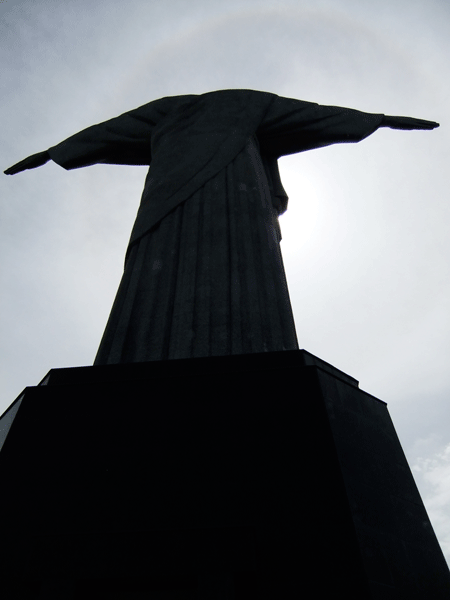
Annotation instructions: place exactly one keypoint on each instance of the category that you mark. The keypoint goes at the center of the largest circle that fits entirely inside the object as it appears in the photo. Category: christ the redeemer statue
(203, 272)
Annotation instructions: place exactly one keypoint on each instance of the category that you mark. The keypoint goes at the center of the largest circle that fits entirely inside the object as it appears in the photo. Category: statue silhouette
(203, 271)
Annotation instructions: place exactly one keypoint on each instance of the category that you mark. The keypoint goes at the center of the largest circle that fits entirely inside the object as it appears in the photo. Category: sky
(365, 238)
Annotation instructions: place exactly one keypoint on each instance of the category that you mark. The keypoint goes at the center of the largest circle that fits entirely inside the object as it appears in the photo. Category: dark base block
(258, 476)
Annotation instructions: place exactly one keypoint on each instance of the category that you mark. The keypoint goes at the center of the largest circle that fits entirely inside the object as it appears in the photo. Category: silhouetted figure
(203, 272)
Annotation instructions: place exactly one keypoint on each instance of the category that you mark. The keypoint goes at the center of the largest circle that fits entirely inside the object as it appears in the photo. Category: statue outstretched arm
(292, 126)
(122, 140)
(31, 162)
(407, 123)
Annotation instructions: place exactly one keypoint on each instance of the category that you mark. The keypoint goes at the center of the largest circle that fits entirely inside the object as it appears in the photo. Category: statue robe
(203, 271)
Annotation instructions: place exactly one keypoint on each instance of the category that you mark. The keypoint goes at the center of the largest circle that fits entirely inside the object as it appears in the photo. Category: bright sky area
(365, 238)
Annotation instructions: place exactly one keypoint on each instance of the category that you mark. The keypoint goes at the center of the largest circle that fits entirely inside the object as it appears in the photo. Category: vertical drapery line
(236, 329)
(204, 344)
(247, 225)
(217, 197)
(153, 302)
(281, 327)
(208, 280)
(158, 290)
(182, 327)
(268, 238)
(119, 322)
(263, 242)
(202, 312)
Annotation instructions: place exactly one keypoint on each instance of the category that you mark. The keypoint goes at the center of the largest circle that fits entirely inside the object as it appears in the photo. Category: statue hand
(407, 123)
(31, 162)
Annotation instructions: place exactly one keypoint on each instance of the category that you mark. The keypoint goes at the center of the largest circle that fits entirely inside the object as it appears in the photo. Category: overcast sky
(365, 239)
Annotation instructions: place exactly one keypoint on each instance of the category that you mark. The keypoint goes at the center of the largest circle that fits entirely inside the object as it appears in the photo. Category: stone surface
(251, 476)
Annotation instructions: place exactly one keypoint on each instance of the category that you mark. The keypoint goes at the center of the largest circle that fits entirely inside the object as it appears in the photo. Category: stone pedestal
(265, 476)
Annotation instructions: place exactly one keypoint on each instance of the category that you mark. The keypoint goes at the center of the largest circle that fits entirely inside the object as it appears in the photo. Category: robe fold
(203, 271)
